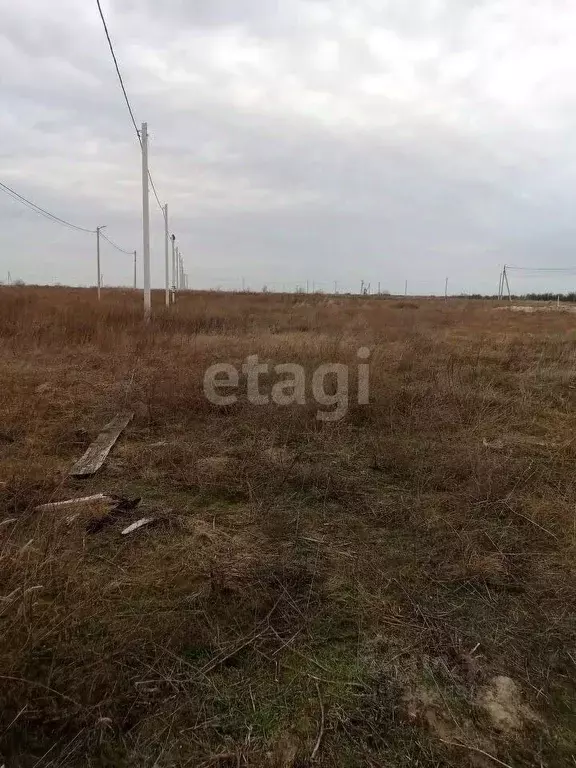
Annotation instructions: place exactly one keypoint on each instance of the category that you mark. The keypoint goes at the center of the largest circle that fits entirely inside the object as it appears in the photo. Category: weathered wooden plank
(96, 454)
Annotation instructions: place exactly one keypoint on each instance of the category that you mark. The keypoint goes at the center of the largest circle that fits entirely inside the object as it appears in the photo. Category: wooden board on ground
(96, 454)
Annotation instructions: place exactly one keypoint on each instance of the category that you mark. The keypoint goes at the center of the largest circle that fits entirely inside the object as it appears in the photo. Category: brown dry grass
(336, 594)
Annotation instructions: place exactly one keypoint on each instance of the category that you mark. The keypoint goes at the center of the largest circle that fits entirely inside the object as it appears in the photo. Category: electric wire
(156, 194)
(127, 100)
(57, 219)
(118, 71)
(114, 245)
(42, 211)
(541, 269)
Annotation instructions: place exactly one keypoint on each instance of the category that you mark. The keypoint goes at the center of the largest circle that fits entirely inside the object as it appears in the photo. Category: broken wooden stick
(321, 729)
(510, 441)
(121, 506)
(96, 454)
(137, 525)
(57, 505)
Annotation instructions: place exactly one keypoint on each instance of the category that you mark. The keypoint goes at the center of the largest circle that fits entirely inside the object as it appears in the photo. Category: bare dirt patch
(502, 700)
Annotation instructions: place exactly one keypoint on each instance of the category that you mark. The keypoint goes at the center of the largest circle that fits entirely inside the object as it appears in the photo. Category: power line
(43, 212)
(542, 269)
(126, 96)
(118, 71)
(51, 217)
(113, 244)
(155, 193)
(26, 205)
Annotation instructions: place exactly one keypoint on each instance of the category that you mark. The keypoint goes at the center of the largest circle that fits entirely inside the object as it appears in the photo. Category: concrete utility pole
(406, 288)
(135, 270)
(173, 238)
(99, 283)
(446, 291)
(146, 223)
(166, 257)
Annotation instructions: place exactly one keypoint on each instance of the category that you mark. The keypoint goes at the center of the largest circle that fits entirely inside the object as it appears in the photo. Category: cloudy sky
(319, 140)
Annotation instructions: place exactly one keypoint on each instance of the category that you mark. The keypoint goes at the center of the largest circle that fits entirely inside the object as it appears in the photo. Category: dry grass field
(394, 589)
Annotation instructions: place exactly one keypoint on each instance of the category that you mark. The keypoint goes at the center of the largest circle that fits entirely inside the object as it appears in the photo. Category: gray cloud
(320, 140)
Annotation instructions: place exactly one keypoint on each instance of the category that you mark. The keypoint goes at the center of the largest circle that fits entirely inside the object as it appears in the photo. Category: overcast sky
(320, 140)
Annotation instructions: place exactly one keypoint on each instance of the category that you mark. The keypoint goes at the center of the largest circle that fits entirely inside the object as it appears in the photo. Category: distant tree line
(551, 296)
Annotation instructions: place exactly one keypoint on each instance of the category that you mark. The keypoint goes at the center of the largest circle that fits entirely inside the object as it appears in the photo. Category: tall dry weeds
(338, 590)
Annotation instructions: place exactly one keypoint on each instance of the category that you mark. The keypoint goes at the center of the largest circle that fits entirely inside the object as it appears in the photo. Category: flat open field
(393, 589)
